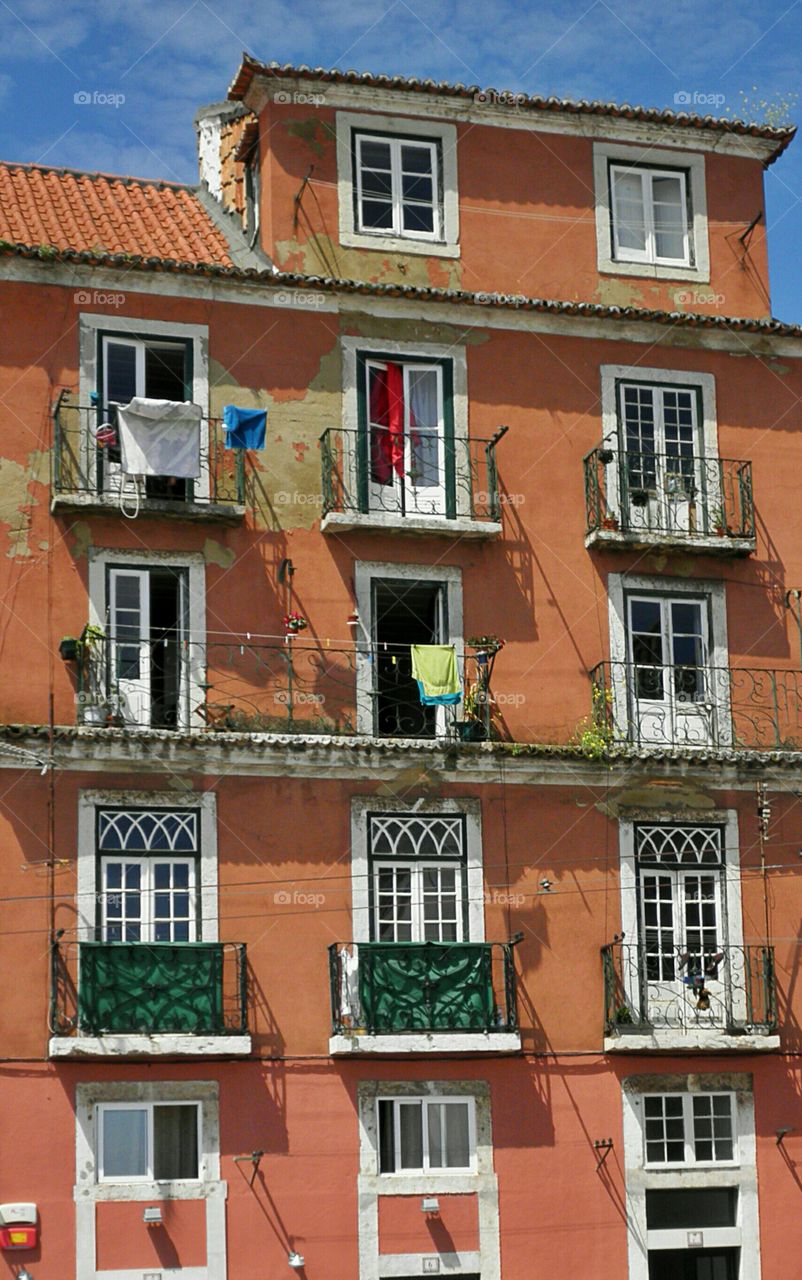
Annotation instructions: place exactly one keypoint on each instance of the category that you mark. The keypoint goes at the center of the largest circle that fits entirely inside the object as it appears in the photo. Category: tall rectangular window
(149, 875)
(417, 878)
(650, 215)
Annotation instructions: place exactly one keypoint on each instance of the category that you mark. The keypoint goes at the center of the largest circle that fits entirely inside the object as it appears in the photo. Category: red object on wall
(18, 1237)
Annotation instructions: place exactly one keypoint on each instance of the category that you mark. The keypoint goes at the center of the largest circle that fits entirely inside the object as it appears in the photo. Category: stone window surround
(639, 1179)
(90, 325)
(365, 572)
(102, 557)
(648, 157)
(88, 1192)
(372, 1184)
(445, 135)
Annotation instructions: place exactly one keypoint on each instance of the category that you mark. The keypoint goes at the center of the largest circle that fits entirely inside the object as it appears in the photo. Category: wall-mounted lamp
(782, 1134)
(285, 570)
(295, 1260)
(152, 1215)
(430, 1204)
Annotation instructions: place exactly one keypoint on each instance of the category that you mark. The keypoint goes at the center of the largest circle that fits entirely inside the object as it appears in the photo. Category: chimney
(220, 128)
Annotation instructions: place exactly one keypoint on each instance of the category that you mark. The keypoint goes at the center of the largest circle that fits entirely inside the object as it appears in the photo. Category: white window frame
(443, 138)
(425, 1101)
(417, 895)
(396, 200)
(439, 492)
(649, 254)
(149, 1109)
(147, 891)
(101, 558)
(689, 1159)
(128, 328)
(619, 588)
(652, 159)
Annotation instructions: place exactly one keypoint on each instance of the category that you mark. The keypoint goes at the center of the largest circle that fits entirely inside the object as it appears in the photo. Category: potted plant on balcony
(609, 521)
(638, 497)
(606, 455)
(92, 698)
(293, 623)
(472, 727)
(718, 520)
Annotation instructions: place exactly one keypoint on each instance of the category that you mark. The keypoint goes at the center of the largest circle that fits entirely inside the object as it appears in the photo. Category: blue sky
(167, 57)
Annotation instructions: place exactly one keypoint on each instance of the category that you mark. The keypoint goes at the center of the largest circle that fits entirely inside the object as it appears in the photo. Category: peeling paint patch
(82, 539)
(310, 257)
(317, 134)
(216, 553)
(657, 797)
(17, 501)
(300, 448)
(619, 293)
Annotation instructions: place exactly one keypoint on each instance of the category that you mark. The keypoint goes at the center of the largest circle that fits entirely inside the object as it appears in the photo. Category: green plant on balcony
(593, 735)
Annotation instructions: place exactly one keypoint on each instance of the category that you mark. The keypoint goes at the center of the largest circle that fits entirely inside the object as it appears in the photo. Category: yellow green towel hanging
(434, 666)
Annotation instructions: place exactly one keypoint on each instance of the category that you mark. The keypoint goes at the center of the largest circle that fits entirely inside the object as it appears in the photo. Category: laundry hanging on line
(434, 666)
(244, 428)
(160, 438)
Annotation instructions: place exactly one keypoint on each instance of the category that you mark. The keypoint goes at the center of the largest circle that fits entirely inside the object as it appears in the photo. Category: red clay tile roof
(251, 68)
(100, 213)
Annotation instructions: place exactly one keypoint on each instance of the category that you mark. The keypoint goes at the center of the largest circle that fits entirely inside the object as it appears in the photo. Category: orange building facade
(307, 973)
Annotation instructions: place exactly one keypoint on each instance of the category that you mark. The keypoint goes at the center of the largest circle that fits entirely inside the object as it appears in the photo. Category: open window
(153, 368)
(148, 1142)
(406, 437)
(427, 1135)
(405, 613)
(667, 482)
(148, 645)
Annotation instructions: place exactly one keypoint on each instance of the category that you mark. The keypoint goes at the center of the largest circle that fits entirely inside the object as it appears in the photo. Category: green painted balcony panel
(158, 988)
(409, 987)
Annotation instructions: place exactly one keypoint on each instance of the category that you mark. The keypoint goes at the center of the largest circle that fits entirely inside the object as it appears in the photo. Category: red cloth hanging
(387, 423)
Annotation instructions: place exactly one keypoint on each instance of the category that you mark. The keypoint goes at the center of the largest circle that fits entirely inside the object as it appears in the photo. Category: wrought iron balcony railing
(148, 988)
(297, 686)
(731, 989)
(87, 471)
(437, 478)
(739, 708)
(406, 987)
(661, 498)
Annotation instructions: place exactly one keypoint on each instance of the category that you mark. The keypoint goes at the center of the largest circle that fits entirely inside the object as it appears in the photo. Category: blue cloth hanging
(244, 428)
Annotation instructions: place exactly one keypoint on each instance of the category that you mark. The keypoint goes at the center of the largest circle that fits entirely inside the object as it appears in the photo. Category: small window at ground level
(685, 1128)
(423, 1134)
(148, 1142)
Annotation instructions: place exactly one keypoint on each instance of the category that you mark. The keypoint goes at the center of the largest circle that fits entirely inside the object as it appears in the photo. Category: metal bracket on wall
(255, 1159)
(602, 1147)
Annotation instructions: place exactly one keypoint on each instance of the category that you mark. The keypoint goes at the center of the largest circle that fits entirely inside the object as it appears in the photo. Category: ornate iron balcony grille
(674, 705)
(458, 479)
(149, 988)
(246, 686)
(679, 496)
(408, 987)
(87, 472)
(730, 989)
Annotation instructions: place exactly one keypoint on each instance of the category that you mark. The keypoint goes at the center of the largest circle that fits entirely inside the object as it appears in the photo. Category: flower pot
(69, 648)
(638, 497)
(606, 456)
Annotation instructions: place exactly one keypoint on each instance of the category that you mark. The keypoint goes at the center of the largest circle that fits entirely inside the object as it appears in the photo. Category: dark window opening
(691, 1209)
(165, 634)
(693, 1264)
(155, 370)
(405, 612)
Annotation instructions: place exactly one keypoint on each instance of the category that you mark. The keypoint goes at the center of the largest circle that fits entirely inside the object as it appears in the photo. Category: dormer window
(397, 186)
